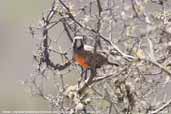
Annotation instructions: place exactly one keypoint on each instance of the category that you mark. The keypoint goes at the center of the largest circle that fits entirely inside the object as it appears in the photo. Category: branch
(67, 30)
(109, 75)
(99, 7)
(159, 66)
(161, 108)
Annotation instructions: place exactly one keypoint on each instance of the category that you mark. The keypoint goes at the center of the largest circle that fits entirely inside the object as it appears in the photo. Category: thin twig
(161, 108)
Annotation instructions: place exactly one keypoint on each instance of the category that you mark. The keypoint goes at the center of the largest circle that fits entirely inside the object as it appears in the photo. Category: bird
(86, 58)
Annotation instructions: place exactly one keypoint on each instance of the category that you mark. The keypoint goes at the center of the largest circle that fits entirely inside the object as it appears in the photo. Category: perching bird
(87, 59)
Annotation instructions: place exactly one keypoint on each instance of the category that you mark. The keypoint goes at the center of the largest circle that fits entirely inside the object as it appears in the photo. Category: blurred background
(16, 53)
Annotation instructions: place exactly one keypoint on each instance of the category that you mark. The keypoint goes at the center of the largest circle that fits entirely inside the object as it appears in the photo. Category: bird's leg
(85, 74)
(82, 75)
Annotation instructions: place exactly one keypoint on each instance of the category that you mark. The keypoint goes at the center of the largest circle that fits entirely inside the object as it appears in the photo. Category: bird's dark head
(78, 43)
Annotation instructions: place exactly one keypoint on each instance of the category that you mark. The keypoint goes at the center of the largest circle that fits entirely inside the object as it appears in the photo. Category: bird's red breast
(81, 60)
